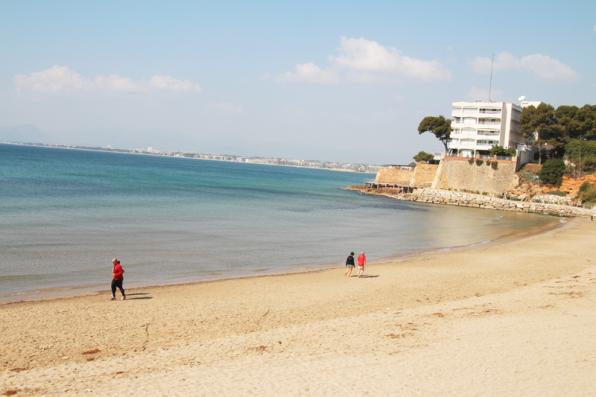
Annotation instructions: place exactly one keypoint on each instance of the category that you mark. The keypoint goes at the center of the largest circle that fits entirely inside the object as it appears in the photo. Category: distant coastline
(276, 161)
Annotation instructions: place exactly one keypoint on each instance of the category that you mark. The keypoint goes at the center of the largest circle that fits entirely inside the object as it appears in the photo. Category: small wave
(22, 277)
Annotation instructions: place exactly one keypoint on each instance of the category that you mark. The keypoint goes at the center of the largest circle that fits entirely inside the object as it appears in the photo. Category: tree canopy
(582, 154)
(439, 126)
(501, 151)
(552, 172)
(555, 128)
(423, 156)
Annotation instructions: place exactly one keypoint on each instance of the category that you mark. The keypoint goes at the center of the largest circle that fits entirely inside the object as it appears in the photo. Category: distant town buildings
(478, 126)
(330, 165)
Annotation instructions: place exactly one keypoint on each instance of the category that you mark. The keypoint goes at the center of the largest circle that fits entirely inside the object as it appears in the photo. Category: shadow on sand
(138, 295)
(366, 276)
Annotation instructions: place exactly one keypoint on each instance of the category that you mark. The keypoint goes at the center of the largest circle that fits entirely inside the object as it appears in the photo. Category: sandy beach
(513, 317)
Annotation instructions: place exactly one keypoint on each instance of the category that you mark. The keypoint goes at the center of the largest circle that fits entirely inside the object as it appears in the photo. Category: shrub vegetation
(501, 151)
(587, 194)
(423, 157)
(552, 172)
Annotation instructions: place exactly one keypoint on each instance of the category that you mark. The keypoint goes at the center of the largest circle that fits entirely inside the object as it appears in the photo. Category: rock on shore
(463, 199)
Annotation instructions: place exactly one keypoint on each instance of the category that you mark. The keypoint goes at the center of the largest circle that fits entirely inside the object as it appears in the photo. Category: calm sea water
(65, 213)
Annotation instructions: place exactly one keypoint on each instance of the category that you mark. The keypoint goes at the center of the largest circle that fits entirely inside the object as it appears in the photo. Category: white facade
(478, 126)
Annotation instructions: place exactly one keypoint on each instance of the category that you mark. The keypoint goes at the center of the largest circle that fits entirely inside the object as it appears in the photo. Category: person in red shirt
(117, 278)
(361, 263)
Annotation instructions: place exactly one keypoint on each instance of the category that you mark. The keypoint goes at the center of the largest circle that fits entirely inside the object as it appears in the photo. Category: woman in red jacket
(361, 263)
(117, 278)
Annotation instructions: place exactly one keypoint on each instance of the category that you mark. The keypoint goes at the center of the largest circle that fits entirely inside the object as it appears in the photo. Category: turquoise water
(65, 213)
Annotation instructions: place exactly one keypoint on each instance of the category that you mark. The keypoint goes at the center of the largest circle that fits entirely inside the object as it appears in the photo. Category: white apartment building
(478, 126)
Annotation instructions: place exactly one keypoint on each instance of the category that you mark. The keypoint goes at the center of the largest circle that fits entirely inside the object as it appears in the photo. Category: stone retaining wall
(420, 176)
(424, 174)
(394, 176)
(476, 175)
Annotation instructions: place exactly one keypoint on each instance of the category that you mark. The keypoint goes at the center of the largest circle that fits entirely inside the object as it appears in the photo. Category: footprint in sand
(258, 349)
(546, 307)
(399, 336)
(570, 294)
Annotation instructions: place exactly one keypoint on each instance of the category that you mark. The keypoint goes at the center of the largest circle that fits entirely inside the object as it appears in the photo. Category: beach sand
(514, 317)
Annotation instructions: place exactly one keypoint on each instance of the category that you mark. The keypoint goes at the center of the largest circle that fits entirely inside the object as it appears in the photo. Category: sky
(337, 80)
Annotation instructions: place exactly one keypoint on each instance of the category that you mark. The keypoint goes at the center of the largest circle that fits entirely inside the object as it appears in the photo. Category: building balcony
(489, 125)
(464, 135)
(462, 145)
(464, 113)
(460, 125)
(489, 115)
(486, 144)
(472, 145)
(490, 111)
(484, 147)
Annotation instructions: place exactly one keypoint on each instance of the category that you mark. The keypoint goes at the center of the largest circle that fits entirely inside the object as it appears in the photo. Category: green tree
(422, 156)
(582, 154)
(439, 126)
(501, 151)
(585, 122)
(538, 122)
(552, 172)
(555, 137)
(566, 116)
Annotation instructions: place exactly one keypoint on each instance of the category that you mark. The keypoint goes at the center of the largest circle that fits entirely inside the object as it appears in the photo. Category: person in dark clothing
(117, 278)
(349, 265)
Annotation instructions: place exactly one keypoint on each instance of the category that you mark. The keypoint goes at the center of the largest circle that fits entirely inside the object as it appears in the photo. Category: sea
(65, 213)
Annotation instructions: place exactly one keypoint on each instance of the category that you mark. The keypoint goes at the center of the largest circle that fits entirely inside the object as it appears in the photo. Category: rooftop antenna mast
(490, 82)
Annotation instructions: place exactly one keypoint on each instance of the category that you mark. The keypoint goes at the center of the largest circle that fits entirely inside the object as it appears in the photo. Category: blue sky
(344, 81)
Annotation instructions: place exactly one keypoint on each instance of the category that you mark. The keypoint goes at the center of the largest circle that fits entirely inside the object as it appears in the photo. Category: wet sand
(515, 317)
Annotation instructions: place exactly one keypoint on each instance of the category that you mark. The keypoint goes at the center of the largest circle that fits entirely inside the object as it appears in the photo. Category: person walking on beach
(361, 263)
(117, 278)
(349, 265)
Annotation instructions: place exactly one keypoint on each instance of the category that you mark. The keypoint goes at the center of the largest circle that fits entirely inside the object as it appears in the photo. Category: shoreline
(515, 313)
(44, 295)
(473, 200)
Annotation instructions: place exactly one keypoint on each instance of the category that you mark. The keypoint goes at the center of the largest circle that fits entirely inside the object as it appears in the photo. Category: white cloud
(115, 83)
(169, 83)
(542, 66)
(61, 79)
(363, 60)
(310, 73)
(363, 55)
(54, 79)
(548, 68)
